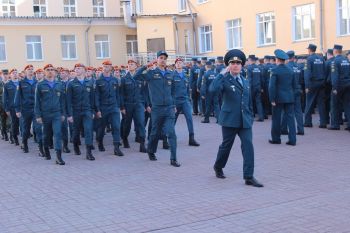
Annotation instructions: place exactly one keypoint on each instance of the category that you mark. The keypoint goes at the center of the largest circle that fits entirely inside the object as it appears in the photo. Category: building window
(122, 8)
(202, 1)
(266, 28)
(131, 44)
(69, 48)
(139, 7)
(205, 39)
(182, 5)
(304, 22)
(8, 7)
(70, 9)
(2, 49)
(102, 46)
(98, 8)
(34, 48)
(39, 8)
(343, 17)
(234, 34)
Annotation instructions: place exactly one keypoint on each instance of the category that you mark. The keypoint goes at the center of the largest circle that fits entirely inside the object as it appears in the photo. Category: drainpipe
(176, 35)
(193, 28)
(87, 47)
(321, 25)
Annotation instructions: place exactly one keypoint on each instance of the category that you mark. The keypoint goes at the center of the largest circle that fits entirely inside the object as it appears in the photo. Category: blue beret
(280, 54)
(312, 47)
(162, 52)
(235, 55)
(338, 47)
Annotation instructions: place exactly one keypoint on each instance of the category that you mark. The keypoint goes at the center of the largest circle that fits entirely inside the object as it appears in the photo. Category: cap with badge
(132, 60)
(48, 66)
(235, 55)
(107, 63)
(291, 54)
(39, 70)
(204, 58)
(312, 47)
(28, 66)
(220, 58)
(338, 47)
(12, 70)
(162, 52)
(280, 54)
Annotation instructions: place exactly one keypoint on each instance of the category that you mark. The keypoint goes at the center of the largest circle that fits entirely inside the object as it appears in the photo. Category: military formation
(55, 105)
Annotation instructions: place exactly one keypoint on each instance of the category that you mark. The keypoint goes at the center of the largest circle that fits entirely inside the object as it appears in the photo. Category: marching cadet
(199, 84)
(134, 104)
(9, 105)
(340, 74)
(24, 105)
(162, 96)
(80, 109)
(255, 78)
(282, 89)
(266, 73)
(39, 77)
(49, 110)
(182, 99)
(297, 102)
(194, 73)
(328, 67)
(107, 103)
(210, 98)
(236, 116)
(66, 126)
(314, 75)
(3, 115)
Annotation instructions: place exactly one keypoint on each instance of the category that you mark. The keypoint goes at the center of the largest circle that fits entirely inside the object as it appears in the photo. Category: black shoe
(322, 126)
(260, 120)
(47, 153)
(138, 139)
(117, 151)
(25, 147)
(51, 147)
(59, 159)
(89, 155)
(274, 142)
(300, 133)
(308, 125)
(174, 163)
(195, 113)
(205, 121)
(100, 146)
(65, 147)
(219, 173)
(6, 138)
(284, 133)
(152, 157)
(143, 148)
(41, 151)
(76, 149)
(126, 143)
(334, 128)
(165, 144)
(266, 117)
(16, 141)
(290, 144)
(253, 182)
(192, 141)
(347, 128)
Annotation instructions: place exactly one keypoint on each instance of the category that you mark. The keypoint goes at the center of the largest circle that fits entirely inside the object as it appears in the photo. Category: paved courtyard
(307, 188)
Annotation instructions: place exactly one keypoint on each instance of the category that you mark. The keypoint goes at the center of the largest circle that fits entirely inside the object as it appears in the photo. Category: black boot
(25, 146)
(205, 120)
(12, 141)
(65, 147)
(47, 153)
(100, 146)
(117, 151)
(6, 137)
(15, 139)
(59, 159)
(142, 146)
(41, 150)
(89, 155)
(126, 143)
(192, 141)
(76, 149)
(165, 143)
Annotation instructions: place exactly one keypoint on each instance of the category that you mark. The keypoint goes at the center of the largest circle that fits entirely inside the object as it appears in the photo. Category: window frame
(338, 9)
(100, 43)
(68, 51)
(302, 23)
(182, 5)
(134, 44)
(40, 7)
(99, 7)
(69, 7)
(230, 29)
(9, 7)
(200, 38)
(3, 44)
(263, 14)
(41, 46)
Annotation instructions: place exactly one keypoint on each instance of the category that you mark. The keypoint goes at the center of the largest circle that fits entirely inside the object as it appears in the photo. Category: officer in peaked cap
(282, 89)
(236, 116)
(194, 73)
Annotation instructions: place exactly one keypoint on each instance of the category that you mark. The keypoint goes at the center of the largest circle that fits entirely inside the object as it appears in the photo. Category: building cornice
(59, 21)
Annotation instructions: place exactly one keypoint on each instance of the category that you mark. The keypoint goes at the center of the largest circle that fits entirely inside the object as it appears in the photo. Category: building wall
(51, 44)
